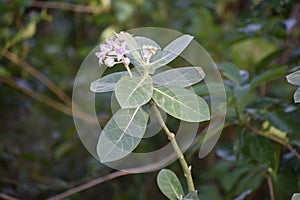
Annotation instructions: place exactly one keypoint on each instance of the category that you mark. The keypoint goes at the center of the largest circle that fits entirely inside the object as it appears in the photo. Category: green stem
(180, 156)
(128, 69)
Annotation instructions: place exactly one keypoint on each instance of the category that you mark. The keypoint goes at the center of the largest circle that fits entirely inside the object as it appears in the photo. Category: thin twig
(7, 197)
(48, 101)
(180, 156)
(275, 139)
(270, 186)
(88, 185)
(64, 6)
(32, 70)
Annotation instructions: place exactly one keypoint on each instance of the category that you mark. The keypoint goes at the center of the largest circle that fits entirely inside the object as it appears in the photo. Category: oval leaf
(169, 184)
(180, 77)
(181, 103)
(297, 96)
(122, 134)
(107, 83)
(230, 71)
(171, 51)
(296, 196)
(132, 92)
(294, 78)
(134, 55)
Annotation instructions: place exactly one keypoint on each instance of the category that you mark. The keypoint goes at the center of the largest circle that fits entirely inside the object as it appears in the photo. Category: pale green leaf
(191, 196)
(297, 96)
(132, 92)
(294, 78)
(180, 77)
(171, 51)
(296, 196)
(181, 103)
(107, 83)
(146, 41)
(122, 134)
(169, 184)
(135, 55)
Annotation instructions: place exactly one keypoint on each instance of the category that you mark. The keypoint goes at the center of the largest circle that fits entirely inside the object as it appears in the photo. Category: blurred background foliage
(255, 44)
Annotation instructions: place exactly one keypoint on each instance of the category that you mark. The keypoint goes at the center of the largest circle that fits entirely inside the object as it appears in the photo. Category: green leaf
(294, 78)
(132, 92)
(107, 83)
(241, 92)
(180, 77)
(191, 196)
(297, 96)
(181, 103)
(122, 134)
(267, 76)
(171, 51)
(230, 71)
(296, 196)
(169, 184)
(135, 55)
(250, 181)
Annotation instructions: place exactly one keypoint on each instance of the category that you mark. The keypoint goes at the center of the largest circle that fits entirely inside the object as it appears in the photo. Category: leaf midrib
(177, 101)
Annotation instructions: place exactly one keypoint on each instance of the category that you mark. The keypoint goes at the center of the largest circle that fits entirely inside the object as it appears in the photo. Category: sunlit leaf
(294, 78)
(181, 103)
(107, 83)
(249, 52)
(297, 96)
(132, 92)
(171, 51)
(169, 184)
(180, 77)
(296, 196)
(122, 134)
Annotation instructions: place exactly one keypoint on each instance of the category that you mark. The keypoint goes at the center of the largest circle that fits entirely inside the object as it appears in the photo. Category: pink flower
(113, 51)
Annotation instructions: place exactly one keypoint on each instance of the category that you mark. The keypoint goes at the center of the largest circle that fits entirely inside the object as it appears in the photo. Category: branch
(64, 6)
(32, 70)
(270, 186)
(88, 185)
(7, 197)
(275, 139)
(48, 101)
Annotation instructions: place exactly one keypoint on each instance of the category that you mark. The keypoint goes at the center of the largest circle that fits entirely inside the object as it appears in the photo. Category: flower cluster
(148, 51)
(113, 51)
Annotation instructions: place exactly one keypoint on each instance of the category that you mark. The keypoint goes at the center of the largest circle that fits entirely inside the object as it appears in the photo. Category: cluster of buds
(148, 51)
(113, 51)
